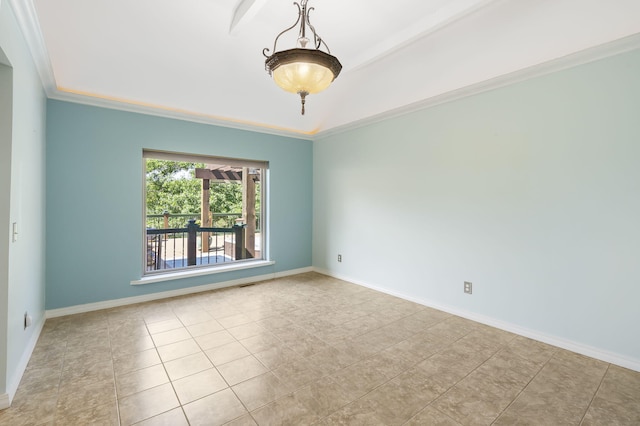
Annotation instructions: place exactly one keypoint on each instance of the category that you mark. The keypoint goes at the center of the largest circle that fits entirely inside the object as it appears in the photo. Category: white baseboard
(14, 382)
(590, 351)
(5, 401)
(89, 307)
(293, 272)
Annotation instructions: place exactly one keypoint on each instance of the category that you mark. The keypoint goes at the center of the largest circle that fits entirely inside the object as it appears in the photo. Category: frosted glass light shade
(299, 77)
(303, 70)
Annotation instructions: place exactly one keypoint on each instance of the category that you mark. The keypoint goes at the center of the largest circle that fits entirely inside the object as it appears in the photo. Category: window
(202, 211)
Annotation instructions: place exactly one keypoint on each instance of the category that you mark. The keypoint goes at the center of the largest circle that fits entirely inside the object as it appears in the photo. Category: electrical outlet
(468, 287)
(339, 258)
(27, 320)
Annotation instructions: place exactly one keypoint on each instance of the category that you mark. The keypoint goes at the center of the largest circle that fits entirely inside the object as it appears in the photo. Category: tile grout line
(453, 385)
(525, 386)
(64, 358)
(269, 370)
(399, 374)
(434, 408)
(213, 366)
(155, 347)
(184, 413)
(595, 394)
(115, 382)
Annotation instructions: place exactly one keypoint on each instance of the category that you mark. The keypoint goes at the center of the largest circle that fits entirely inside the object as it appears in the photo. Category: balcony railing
(173, 248)
(168, 220)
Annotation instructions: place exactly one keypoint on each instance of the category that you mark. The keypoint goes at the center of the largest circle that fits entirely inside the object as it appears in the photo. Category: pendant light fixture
(304, 69)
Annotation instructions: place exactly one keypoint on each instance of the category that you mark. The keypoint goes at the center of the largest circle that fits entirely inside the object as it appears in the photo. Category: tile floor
(302, 350)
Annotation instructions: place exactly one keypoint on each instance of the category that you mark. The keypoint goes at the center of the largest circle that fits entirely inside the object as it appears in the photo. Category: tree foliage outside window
(172, 187)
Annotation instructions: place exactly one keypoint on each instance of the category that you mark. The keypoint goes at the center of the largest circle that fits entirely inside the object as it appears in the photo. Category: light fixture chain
(318, 41)
(303, 23)
(275, 42)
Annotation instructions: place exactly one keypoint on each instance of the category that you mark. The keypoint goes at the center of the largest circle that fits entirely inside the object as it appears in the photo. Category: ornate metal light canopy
(303, 70)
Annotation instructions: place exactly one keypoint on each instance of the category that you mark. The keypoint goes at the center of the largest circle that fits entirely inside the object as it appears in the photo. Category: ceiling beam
(245, 11)
(445, 15)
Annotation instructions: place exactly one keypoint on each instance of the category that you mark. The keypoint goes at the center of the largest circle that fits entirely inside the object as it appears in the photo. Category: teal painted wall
(531, 192)
(94, 196)
(22, 197)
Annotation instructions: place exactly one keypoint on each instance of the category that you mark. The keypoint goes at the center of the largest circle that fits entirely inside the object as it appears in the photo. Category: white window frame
(167, 274)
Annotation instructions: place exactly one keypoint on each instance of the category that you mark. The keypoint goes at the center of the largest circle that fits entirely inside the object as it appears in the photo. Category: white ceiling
(202, 59)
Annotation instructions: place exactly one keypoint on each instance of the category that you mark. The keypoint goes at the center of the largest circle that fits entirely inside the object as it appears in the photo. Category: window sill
(156, 278)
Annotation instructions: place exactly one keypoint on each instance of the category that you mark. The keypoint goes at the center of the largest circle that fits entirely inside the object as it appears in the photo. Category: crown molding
(27, 18)
(167, 112)
(616, 47)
